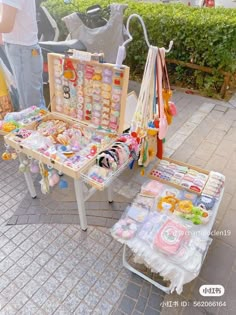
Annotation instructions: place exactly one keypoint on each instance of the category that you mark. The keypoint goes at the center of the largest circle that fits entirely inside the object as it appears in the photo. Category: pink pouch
(170, 237)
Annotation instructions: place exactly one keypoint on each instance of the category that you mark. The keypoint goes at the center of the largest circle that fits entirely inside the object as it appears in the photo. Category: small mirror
(67, 1)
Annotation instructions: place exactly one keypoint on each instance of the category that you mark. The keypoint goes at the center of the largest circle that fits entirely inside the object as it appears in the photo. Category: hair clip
(79, 106)
(98, 69)
(106, 87)
(106, 109)
(97, 84)
(66, 95)
(106, 95)
(97, 106)
(116, 82)
(88, 106)
(115, 106)
(119, 73)
(115, 98)
(96, 120)
(115, 113)
(116, 90)
(106, 102)
(97, 77)
(107, 72)
(97, 90)
(113, 125)
(107, 80)
(96, 97)
(113, 119)
(105, 122)
(96, 114)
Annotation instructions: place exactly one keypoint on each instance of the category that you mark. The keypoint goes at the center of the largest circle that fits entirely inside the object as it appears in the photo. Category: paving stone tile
(136, 279)
(212, 270)
(101, 286)
(145, 289)
(19, 300)
(71, 262)
(24, 261)
(83, 308)
(31, 287)
(228, 224)
(92, 299)
(154, 301)
(81, 289)
(121, 283)
(103, 308)
(9, 248)
(5, 264)
(4, 240)
(51, 284)
(61, 292)
(61, 273)
(112, 295)
(72, 302)
(50, 306)
(88, 243)
(42, 276)
(4, 282)
(9, 310)
(61, 255)
(22, 219)
(141, 304)
(127, 305)
(71, 246)
(99, 266)
(22, 279)
(151, 311)
(52, 265)
(10, 291)
(40, 297)
(132, 290)
(12, 220)
(28, 309)
(109, 274)
(34, 251)
(34, 219)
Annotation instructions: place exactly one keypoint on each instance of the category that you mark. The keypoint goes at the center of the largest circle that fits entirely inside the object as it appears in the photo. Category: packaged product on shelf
(152, 188)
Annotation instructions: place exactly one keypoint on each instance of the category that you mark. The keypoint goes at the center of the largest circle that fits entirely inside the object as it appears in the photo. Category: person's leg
(27, 66)
(15, 60)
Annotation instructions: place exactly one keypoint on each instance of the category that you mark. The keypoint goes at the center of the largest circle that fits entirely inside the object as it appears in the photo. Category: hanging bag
(145, 111)
(163, 124)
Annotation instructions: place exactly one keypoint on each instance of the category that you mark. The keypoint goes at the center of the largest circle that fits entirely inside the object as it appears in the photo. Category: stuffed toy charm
(44, 181)
(24, 166)
(63, 184)
(53, 178)
(34, 167)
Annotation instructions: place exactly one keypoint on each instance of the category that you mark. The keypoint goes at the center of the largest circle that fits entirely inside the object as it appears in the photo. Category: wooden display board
(65, 95)
(89, 79)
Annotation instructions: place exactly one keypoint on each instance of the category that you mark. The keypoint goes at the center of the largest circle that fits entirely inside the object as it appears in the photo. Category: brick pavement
(47, 267)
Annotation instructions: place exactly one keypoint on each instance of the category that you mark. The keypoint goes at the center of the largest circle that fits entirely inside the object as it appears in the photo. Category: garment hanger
(122, 49)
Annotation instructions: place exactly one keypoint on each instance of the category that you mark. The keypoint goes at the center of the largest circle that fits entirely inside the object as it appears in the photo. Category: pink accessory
(170, 237)
(163, 125)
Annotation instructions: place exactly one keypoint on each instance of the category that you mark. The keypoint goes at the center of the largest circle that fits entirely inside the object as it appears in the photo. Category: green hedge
(203, 36)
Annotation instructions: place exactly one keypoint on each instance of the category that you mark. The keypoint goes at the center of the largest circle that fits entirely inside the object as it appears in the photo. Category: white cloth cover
(105, 39)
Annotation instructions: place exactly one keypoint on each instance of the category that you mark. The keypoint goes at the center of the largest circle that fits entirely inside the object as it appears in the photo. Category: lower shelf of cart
(107, 180)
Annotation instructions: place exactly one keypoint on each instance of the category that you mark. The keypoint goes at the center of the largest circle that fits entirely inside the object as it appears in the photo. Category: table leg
(28, 178)
(80, 202)
(110, 193)
(129, 267)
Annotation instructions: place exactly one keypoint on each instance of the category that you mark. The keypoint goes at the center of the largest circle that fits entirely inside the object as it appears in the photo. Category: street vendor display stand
(167, 226)
(88, 101)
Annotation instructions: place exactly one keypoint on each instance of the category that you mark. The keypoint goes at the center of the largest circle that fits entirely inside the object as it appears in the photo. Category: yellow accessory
(172, 201)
